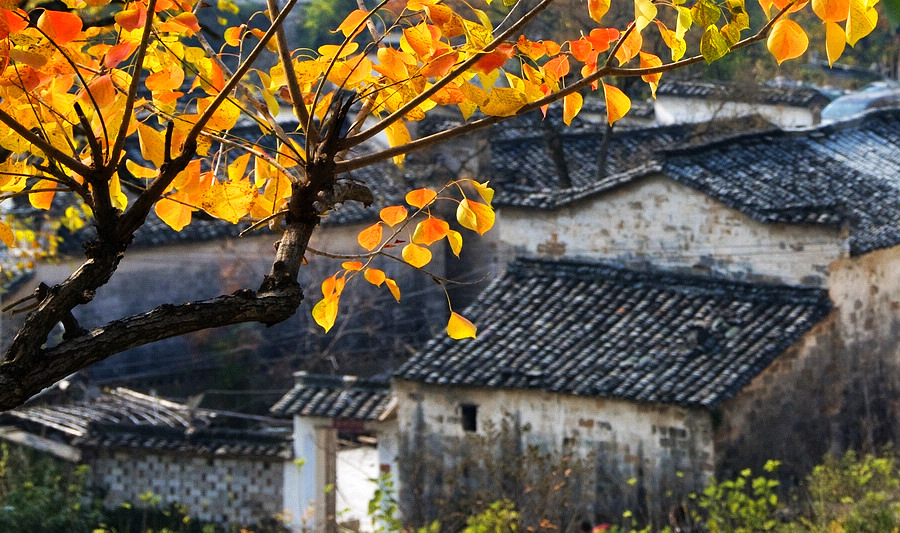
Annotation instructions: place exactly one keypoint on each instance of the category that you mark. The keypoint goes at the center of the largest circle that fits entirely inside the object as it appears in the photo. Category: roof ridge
(660, 276)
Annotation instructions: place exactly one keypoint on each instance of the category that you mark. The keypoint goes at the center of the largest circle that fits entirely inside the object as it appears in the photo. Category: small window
(469, 414)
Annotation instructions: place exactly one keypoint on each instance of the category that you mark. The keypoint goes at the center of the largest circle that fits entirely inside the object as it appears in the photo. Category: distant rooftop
(599, 330)
(339, 397)
(124, 418)
(785, 95)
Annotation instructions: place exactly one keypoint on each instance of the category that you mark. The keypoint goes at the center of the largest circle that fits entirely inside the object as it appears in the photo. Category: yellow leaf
(486, 193)
(644, 14)
(598, 8)
(229, 201)
(175, 214)
(415, 255)
(430, 231)
(393, 215)
(456, 241)
(335, 50)
(571, 106)
(42, 200)
(398, 135)
(119, 200)
(237, 167)
(6, 235)
(224, 117)
(835, 41)
(475, 216)
(503, 102)
(459, 327)
(617, 104)
(374, 276)
(393, 287)
(152, 144)
(787, 40)
(352, 266)
(325, 312)
(420, 197)
(370, 237)
(860, 21)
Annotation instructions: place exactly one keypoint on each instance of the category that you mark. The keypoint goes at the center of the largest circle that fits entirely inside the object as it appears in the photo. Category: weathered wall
(677, 110)
(222, 490)
(657, 221)
(834, 390)
(613, 440)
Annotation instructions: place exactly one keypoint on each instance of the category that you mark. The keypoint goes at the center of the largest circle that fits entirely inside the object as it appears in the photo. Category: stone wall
(657, 221)
(621, 455)
(235, 491)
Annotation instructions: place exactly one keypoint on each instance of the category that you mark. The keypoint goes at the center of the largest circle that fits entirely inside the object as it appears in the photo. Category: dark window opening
(469, 417)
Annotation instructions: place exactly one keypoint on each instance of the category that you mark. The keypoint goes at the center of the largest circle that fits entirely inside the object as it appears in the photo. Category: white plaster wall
(626, 431)
(658, 221)
(677, 110)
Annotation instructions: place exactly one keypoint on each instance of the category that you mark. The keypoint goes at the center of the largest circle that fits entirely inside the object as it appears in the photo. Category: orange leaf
(176, 215)
(393, 215)
(650, 61)
(42, 200)
(571, 106)
(581, 49)
(185, 23)
(353, 266)
(118, 53)
(617, 104)
(787, 40)
(831, 10)
(557, 67)
(420, 197)
(494, 60)
(374, 276)
(415, 255)
(354, 23)
(460, 328)
(132, 19)
(6, 235)
(392, 286)
(370, 237)
(630, 47)
(430, 231)
(61, 27)
(168, 79)
(602, 37)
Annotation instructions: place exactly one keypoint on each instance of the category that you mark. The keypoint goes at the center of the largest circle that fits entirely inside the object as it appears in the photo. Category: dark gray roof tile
(599, 330)
(341, 397)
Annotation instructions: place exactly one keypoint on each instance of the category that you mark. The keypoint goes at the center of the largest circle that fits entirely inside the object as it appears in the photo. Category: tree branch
(21, 379)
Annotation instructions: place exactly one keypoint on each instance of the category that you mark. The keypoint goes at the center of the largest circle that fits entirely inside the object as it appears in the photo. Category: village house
(708, 307)
(324, 408)
(225, 468)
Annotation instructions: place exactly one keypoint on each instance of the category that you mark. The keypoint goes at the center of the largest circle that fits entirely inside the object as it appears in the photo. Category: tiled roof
(343, 397)
(123, 418)
(524, 174)
(840, 173)
(598, 330)
(795, 96)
